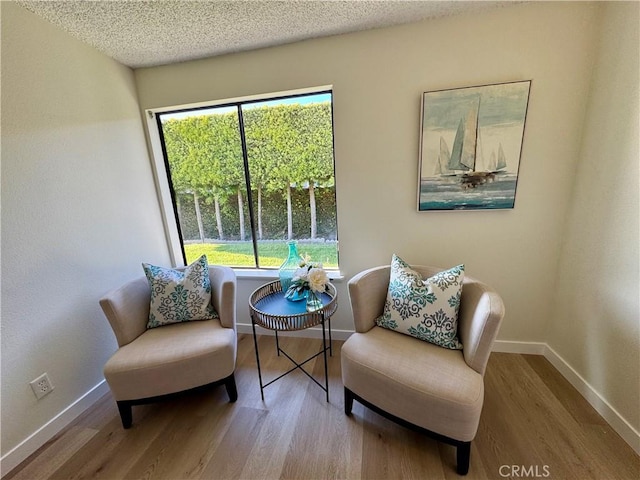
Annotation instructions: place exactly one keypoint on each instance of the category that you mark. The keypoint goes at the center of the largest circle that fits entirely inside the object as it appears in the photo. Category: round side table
(269, 309)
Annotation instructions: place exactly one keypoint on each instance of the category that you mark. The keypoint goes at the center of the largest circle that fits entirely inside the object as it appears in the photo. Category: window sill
(259, 274)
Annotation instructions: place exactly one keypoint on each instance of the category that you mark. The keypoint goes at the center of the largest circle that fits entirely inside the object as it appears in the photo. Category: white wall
(79, 213)
(378, 77)
(596, 316)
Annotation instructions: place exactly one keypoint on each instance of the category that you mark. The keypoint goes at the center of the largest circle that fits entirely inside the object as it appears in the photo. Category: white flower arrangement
(309, 276)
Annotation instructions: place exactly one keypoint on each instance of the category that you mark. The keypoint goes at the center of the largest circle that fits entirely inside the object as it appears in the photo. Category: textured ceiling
(158, 32)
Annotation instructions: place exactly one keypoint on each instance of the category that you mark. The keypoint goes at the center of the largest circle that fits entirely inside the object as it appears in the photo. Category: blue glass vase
(288, 268)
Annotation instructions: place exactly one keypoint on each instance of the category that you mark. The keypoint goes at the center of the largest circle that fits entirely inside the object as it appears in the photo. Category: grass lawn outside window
(271, 253)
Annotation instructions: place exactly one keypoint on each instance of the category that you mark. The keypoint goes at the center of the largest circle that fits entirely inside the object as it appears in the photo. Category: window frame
(164, 187)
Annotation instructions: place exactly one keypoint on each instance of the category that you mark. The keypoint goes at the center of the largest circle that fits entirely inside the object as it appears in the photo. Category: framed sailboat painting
(470, 146)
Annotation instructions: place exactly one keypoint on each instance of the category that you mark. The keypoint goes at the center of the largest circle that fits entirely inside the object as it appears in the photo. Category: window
(245, 177)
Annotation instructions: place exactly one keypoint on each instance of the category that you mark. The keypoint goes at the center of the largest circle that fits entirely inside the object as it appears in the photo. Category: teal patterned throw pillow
(424, 308)
(179, 296)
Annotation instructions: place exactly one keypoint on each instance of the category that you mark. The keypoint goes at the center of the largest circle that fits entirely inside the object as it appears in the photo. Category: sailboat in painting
(466, 154)
(463, 155)
(496, 165)
(442, 165)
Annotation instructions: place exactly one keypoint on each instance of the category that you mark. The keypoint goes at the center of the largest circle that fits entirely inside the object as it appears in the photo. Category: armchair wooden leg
(463, 454)
(230, 385)
(348, 401)
(125, 413)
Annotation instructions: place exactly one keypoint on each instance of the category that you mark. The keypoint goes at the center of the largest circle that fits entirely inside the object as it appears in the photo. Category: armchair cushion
(171, 359)
(426, 309)
(179, 295)
(424, 384)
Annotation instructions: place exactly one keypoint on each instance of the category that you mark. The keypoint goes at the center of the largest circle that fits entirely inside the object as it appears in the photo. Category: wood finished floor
(532, 417)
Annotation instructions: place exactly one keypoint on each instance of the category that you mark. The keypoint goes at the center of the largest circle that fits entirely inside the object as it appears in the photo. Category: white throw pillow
(424, 308)
(179, 296)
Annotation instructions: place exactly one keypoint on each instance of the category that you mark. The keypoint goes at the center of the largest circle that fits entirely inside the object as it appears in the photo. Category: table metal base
(297, 366)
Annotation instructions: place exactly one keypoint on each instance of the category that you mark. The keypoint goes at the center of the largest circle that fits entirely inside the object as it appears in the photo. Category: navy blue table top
(276, 304)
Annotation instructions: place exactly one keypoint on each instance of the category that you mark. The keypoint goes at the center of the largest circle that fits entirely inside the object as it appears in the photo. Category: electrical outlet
(41, 386)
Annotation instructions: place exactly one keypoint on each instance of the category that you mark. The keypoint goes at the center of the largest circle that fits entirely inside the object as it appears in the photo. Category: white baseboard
(502, 346)
(610, 414)
(314, 332)
(33, 442)
(526, 348)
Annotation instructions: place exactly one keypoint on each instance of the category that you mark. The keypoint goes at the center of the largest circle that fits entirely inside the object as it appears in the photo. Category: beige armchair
(155, 364)
(414, 383)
